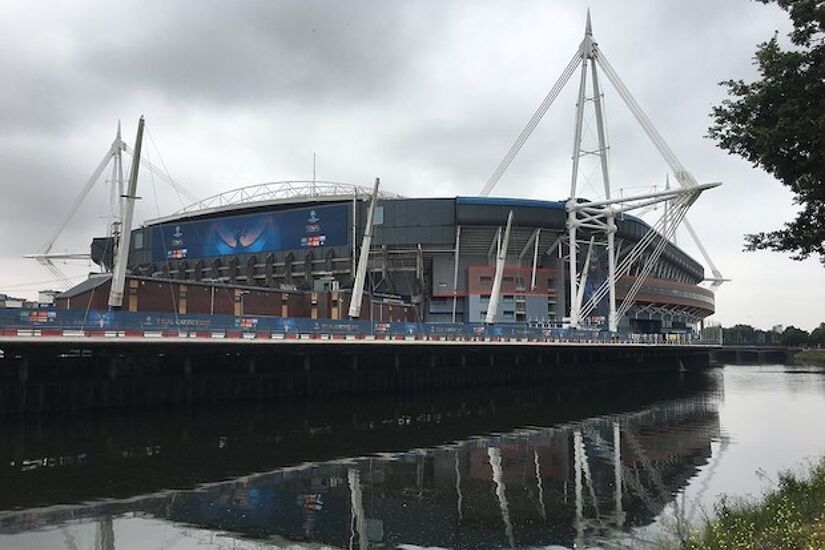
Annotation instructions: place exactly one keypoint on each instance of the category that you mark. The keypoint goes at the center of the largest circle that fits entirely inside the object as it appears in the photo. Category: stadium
(430, 260)
(327, 250)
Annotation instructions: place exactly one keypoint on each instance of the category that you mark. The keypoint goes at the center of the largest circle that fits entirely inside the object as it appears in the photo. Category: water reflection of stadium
(527, 487)
(578, 481)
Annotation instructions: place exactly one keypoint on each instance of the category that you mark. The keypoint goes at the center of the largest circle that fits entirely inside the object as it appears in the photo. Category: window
(486, 280)
(138, 240)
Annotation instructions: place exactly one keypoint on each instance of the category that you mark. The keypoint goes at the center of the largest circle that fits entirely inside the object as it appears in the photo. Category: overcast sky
(427, 95)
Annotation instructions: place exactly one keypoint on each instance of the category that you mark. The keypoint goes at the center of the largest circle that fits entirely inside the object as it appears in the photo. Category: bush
(792, 516)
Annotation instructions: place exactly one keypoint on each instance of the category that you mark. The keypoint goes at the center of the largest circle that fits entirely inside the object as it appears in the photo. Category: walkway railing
(96, 323)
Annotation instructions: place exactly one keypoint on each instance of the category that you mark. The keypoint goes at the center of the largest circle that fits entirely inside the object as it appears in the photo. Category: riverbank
(810, 357)
(791, 516)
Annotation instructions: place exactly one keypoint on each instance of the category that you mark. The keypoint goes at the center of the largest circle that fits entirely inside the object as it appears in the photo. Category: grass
(790, 517)
(810, 357)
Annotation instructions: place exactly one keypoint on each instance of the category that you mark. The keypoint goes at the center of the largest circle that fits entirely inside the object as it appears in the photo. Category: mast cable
(531, 124)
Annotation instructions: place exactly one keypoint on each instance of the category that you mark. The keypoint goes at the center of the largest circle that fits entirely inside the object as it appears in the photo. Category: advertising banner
(252, 233)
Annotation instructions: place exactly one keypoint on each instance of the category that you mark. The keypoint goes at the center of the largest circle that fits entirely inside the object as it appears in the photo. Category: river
(621, 463)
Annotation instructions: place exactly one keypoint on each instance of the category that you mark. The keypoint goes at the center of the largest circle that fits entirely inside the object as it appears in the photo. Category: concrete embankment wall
(733, 355)
(44, 379)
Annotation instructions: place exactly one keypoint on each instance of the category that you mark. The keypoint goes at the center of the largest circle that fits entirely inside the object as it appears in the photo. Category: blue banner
(37, 319)
(252, 233)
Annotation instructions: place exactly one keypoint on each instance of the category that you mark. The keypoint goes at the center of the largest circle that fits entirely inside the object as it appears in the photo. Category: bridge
(750, 354)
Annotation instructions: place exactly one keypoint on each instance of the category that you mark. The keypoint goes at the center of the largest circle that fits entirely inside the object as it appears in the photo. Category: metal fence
(51, 322)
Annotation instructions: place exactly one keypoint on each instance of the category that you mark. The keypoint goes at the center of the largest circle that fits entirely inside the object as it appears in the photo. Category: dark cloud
(214, 52)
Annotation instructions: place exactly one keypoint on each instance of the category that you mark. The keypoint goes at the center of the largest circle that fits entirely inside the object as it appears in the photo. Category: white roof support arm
(495, 244)
(501, 260)
(119, 274)
(456, 257)
(363, 259)
(717, 280)
(526, 247)
(585, 271)
(535, 259)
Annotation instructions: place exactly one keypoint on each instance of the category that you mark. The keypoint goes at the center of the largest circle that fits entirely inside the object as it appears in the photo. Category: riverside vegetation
(810, 357)
(790, 517)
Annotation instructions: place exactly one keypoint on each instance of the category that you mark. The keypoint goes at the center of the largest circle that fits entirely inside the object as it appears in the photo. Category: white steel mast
(119, 274)
(363, 259)
(599, 217)
(588, 51)
(115, 155)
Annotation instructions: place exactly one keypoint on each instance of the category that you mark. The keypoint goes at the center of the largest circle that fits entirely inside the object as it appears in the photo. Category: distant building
(779, 329)
(7, 301)
(46, 297)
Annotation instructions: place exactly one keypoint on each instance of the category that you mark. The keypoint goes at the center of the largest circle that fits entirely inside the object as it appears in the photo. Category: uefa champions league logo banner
(253, 233)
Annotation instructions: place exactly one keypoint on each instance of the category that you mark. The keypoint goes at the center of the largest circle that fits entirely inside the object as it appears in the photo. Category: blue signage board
(318, 226)
(81, 319)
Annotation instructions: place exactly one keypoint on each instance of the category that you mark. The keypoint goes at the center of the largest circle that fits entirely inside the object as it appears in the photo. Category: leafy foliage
(817, 337)
(778, 124)
(793, 516)
(793, 336)
(746, 334)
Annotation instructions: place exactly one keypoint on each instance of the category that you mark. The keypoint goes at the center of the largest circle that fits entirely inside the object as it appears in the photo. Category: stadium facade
(434, 256)
(306, 245)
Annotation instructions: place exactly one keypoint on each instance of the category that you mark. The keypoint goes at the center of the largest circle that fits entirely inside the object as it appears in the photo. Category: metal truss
(671, 310)
(113, 158)
(280, 191)
(599, 217)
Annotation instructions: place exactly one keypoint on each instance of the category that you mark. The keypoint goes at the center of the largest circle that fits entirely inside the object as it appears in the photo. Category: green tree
(778, 124)
(794, 336)
(739, 334)
(817, 337)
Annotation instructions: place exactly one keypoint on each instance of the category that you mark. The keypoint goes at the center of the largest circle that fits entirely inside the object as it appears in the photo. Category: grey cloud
(305, 51)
